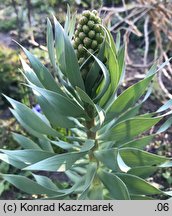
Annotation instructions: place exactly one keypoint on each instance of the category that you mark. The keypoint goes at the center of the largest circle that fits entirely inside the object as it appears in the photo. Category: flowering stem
(91, 134)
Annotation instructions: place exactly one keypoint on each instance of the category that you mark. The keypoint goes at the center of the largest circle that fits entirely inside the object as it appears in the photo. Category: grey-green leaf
(25, 142)
(126, 130)
(135, 157)
(31, 119)
(108, 157)
(66, 57)
(27, 185)
(137, 185)
(115, 185)
(41, 71)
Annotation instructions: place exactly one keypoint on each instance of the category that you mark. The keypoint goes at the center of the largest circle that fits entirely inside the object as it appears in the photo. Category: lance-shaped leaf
(45, 144)
(137, 185)
(114, 72)
(143, 171)
(10, 160)
(139, 143)
(29, 74)
(133, 111)
(108, 157)
(67, 20)
(25, 125)
(91, 82)
(55, 162)
(128, 98)
(121, 61)
(64, 145)
(25, 142)
(66, 57)
(91, 172)
(27, 156)
(166, 164)
(141, 197)
(45, 182)
(57, 108)
(49, 109)
(115, 185)
(28, 186)
(65, 160)
(126, 130)
(165, 126)
(65, 106)
(112, 63)
(41, 71)
(135, 157)
(32, 78)
(166, 106)
(50, 44)
(85, 98)
(69, 25)
(103, 87)
(31, 119)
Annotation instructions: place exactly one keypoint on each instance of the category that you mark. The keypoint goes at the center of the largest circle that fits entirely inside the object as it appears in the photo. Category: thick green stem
(90, 134)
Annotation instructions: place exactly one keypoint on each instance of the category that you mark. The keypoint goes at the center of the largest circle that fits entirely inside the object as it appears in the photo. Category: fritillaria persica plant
(104, 153)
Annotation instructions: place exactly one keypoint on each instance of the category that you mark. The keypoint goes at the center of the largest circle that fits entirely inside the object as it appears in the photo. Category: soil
(6, 39)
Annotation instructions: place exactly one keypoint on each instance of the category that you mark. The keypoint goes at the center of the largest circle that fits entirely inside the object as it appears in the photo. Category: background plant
(9, 79)
(105, 156)
(146, 24)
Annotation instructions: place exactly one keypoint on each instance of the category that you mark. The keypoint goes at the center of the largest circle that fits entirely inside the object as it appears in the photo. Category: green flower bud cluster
(89, 35)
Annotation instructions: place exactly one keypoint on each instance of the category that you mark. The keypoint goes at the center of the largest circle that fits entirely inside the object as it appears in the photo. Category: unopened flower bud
(81, 61)
(77, 41)
(91, 24)
(91, 34)
(92, 17)
(85, 29)
(95, 12)
(79, 27)
(87, 42)
(97, 28)
(86, 13)
(83, 20)
(82, 35)
(87, 39)
(81, 49)
(94, 44)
